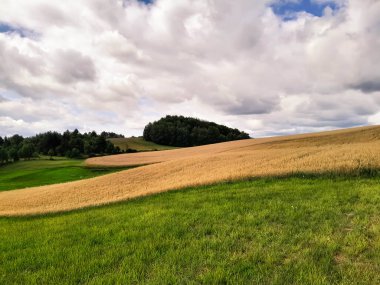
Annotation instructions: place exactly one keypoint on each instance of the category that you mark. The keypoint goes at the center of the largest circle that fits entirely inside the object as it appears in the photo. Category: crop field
(44, 171)
(332, 139)
(296, 230)
(139, 144)
(352, 151)
(288, 210)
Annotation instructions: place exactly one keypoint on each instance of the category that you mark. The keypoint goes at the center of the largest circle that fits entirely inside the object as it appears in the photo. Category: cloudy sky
(266, 67)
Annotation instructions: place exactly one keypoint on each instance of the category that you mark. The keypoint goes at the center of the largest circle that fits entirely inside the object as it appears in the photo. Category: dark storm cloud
(368, 86)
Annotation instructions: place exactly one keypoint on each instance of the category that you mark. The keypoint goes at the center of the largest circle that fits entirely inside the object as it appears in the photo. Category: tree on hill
(27, 151)
(16, 140)
(111, 135)
(51, 153)
(3, 156)
(72, 144)
(185, 131)
(13, 154)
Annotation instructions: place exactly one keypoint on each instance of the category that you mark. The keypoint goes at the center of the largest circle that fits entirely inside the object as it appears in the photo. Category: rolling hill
(350, 151)
(138, 143)
(44, 171)
(296, 230)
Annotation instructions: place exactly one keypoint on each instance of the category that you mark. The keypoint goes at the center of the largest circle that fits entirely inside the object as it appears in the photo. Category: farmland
(347, 152)
(287, 210)
(296, 230)
(138, 144)
(44, 171)
(190, 142)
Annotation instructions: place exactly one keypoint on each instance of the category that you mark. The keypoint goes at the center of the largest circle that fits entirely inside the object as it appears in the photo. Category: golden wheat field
(342, 151)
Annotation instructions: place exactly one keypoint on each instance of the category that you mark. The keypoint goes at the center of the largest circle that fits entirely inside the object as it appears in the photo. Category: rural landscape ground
(45, 171)
(285, 210)
(190, 142)
(348, 152)
(138, 144)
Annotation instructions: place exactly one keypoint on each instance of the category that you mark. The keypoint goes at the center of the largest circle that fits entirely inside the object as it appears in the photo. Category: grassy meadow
(267, 231)
(139, 144)
(44, 171)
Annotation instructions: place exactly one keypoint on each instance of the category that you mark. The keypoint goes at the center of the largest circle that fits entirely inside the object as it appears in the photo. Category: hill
(183, 131)
(350, 151)
(265, 231)
(138, 144)
(44, 171)
(270, 146)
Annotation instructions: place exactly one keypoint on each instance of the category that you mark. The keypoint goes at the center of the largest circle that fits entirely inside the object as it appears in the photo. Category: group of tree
(69, 144)
(185, 131)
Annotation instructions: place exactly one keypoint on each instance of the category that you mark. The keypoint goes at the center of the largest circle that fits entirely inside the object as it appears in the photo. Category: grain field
(345, 151)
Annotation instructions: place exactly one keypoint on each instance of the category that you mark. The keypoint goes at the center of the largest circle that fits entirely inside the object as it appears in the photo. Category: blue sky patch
(146, 1)
(6, 28)
(287, 9)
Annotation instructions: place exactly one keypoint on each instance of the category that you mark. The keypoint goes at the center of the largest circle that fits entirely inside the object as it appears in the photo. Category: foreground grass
(44, 171)
(268, 231)
(139, 144)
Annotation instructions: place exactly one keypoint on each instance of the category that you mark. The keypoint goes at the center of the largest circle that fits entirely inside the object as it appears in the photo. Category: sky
(268, 67)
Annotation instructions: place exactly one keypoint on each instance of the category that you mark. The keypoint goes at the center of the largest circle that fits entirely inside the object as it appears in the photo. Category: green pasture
(44, 171)
(267, 231)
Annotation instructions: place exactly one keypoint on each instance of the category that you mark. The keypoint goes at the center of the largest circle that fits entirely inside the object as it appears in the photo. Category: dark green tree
(27, 151)
(186, 131)
(16, 140)
(51, 153)
(13, 154)
(3, 156)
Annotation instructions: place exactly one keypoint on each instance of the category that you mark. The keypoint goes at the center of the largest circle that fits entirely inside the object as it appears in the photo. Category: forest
(70, 144)
(183, 131)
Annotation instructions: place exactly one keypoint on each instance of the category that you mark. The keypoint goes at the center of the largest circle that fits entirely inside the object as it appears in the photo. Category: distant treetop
(70, 144)
(183, 131)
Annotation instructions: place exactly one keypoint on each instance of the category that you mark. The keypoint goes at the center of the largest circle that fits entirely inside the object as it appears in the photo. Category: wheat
(345, 151)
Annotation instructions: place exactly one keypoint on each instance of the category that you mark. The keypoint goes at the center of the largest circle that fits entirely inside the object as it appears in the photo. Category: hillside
(44, 171)
(264, 231)
(183, 131)
(271, 145)
(138, 143)
(345, 151)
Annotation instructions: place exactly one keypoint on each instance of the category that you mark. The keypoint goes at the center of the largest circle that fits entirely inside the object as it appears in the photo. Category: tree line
(70, 144)
(183, 131)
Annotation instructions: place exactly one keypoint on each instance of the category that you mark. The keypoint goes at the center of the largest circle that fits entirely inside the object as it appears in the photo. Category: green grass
(44, 171)
(139, 144)
(267, 231)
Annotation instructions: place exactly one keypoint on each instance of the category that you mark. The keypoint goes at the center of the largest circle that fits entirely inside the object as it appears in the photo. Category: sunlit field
(138, 144)
(351, 152)
(266, 231)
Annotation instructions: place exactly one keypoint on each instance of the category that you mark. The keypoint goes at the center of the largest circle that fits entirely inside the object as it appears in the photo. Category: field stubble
(351, 151)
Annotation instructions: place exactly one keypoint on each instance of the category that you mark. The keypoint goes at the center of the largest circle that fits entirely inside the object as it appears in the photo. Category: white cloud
(116, 65)
(375, 119)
